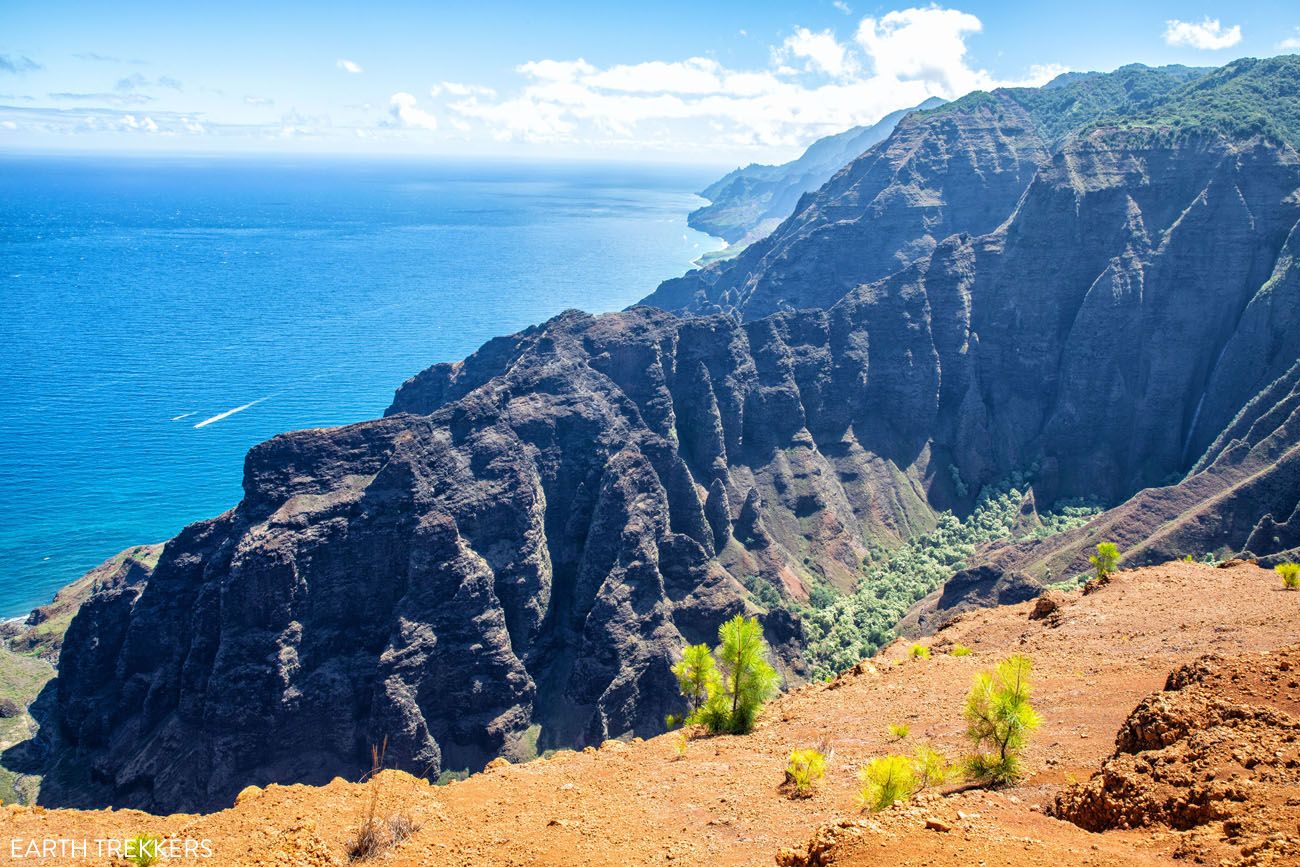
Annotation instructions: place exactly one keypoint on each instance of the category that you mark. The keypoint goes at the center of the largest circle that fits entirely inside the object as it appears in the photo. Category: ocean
(162, 316)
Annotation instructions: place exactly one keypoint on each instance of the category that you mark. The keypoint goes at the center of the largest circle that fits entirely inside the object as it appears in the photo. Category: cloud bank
(815, 83)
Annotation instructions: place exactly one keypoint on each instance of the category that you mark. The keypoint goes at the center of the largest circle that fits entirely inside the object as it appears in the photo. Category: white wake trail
(228, 413)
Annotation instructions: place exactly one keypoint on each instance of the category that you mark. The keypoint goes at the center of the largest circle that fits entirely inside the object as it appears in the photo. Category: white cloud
(695, 75)
(457, 88)
(842, 6)
(403, 109)
(924, 44)
(1209, 35)
(820, 51)
(814, 84)
(8, 124)
(1291, 43)
(349, 66)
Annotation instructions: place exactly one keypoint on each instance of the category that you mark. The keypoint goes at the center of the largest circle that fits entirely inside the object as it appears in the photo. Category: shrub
(959, 650)
(930, 766)
(401, 826)
(376, 834)
(142, 850)
(999, 719)
(698, 678)
(746, 680)
(805, 768)
(681, 744)
(899, 730)
(885, 780)
(1106, 560)
(1290, 573)
(918, 651)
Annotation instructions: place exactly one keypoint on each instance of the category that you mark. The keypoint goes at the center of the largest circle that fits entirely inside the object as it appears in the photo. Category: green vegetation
(698, 678)
(739, 686)
(930, 766)
(886, 780)
(850, 628)
(142, 850)
(1106, 560)
(918, 651)
(999, 719)
(889, 779)
(1245, 98)
(899, 730)
(21, 679)
(959, 650)
(1290, 574)
(804, 768)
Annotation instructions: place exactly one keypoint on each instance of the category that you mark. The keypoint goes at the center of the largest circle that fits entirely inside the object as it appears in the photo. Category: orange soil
(638, 803)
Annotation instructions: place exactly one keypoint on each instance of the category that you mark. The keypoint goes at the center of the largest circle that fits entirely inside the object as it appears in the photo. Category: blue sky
(717, 83)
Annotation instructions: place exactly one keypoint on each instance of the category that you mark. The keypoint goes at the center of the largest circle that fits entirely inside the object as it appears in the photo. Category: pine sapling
(804, 768)
(747, 678)
(999, 719)
(886, 780)
(698, 678)
(1106, 560)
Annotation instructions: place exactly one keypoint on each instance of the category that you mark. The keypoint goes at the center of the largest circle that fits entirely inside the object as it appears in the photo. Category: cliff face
(748, 203)
(513, 556)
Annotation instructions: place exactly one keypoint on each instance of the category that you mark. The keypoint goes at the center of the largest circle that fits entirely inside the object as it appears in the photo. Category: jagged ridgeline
(1097, 280)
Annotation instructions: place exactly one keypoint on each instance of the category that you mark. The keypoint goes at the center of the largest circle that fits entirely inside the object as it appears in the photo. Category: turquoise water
(159, 318)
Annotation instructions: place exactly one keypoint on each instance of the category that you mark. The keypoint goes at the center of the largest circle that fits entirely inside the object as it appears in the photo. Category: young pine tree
(999, 719)
(697, 677)
(747, 678)
(885, 780)
(1106, 560)
(1290, 575)
(804, 768)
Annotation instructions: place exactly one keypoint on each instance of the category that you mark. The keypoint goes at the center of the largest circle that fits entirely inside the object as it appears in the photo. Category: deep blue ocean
(160, 317)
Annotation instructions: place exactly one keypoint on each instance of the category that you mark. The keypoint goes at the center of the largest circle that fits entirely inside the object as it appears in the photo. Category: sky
(719, 82)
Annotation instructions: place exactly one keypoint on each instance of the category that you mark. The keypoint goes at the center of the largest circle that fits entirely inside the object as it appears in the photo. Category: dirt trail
(1095, 660)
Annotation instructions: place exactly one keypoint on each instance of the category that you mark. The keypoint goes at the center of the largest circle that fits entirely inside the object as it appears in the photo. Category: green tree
(1106, 560)
(1290, 574)
(698, 678)
(999, 719)
(747, 678)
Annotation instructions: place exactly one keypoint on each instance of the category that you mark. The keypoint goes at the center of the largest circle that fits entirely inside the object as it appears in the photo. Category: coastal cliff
(511, 559)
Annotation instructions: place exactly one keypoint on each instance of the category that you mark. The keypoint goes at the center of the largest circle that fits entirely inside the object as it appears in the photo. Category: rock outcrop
(513, 556)
(1214, 754)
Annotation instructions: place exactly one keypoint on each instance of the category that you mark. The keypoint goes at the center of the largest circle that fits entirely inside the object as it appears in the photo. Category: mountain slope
(956, 169)
(747, 203)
